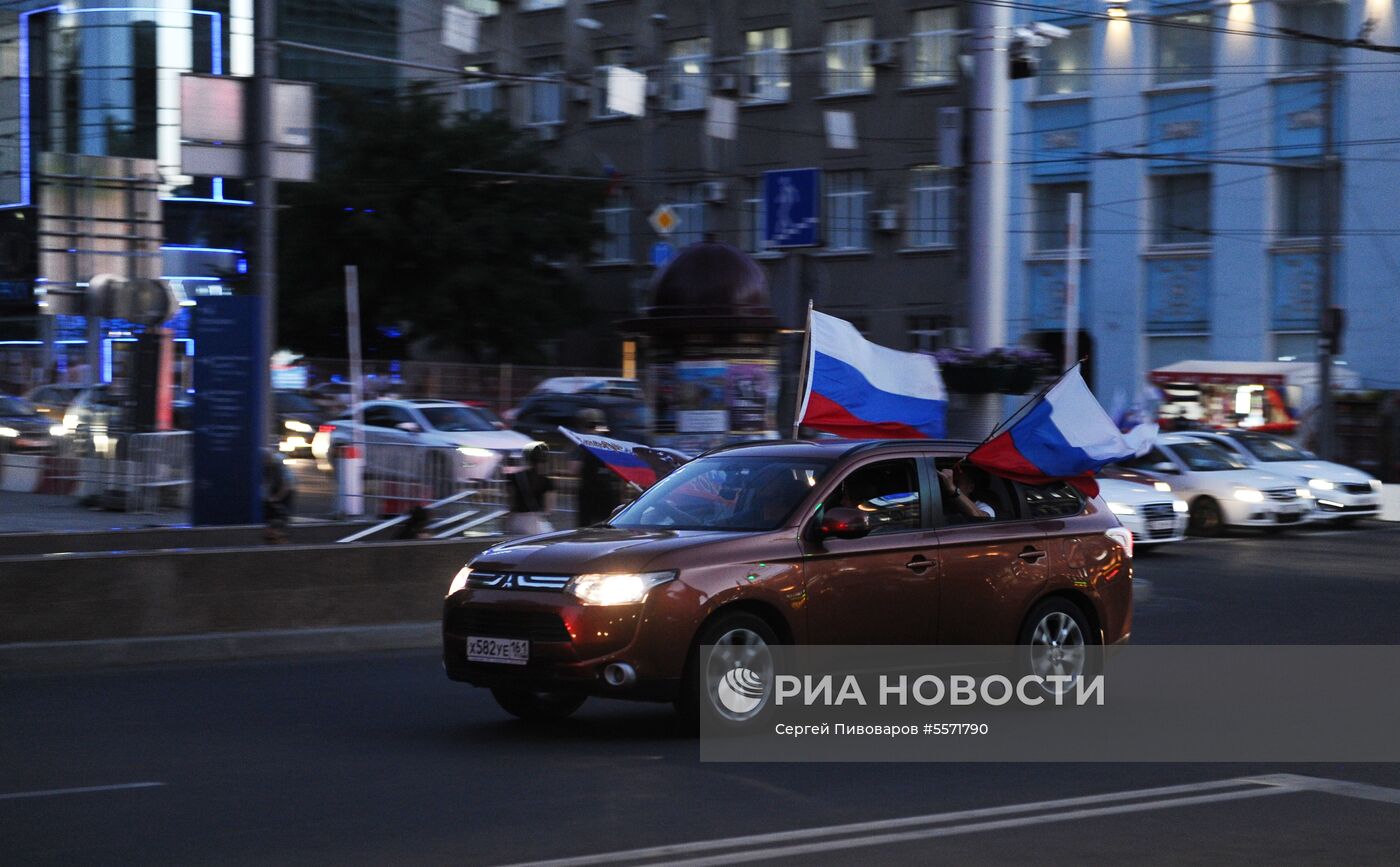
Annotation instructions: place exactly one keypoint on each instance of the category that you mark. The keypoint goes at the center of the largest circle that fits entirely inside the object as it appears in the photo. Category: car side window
(888, 491)
(995, 492)
(378, 416)
(1153, 457)
(1055, 500)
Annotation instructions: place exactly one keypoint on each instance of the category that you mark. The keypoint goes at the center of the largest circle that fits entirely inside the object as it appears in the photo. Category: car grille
(518, 581)
(1154, 512)
(1354, 488)
(539, 626)
(1282, 494)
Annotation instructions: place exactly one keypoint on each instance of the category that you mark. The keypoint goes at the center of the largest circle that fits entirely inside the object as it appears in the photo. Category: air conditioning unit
(885, 220)
(581, 93)
(883, 52)
(726, 83)
(713, 192)
(548, 132)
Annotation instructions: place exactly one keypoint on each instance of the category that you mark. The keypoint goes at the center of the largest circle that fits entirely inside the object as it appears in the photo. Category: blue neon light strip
(192, 249)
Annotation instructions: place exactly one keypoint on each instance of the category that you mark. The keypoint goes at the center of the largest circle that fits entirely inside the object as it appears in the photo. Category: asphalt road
(378, 759)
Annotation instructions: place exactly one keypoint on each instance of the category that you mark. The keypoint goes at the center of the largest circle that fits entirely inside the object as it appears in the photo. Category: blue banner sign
(229, 428)
(792, 210)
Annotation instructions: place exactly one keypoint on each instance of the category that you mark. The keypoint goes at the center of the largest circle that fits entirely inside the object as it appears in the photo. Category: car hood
(593, 549)
(1251, 478)
(500, 440)
(1132, 493)
(1319, 470)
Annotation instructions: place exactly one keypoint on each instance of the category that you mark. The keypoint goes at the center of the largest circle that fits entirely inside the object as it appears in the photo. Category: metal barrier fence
(134, 472)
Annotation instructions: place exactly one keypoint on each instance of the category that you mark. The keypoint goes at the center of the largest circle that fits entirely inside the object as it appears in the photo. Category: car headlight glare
(473, 452)
(1180, 506)
(1303, 493)
(8, 432)
(57, 430)
(1120, 508)
(1249, 495)
(1320, 484)
(459, 581)
(295, 426)
(616, 588)
(1376, 485)
(1162, 486)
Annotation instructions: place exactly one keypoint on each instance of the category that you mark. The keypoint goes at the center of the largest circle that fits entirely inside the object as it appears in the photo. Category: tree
(472, 264)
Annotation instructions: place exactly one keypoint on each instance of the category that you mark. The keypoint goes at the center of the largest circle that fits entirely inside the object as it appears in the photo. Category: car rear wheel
(1206, 519)
(734, 653)
(1057, 641)
(537, 705)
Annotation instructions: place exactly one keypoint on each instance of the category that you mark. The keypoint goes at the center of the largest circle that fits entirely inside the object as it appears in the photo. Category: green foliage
(471, 262)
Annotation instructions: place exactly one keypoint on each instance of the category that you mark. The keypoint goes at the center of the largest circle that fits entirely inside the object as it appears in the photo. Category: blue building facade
(1194, 133)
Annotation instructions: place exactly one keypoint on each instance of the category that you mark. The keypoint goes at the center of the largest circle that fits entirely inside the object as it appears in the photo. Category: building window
(1323, 19)
(1050, 221)
(932, 200)
(546, 97)
(926, 332)
(1181, 209)
(479, 97)
(606, 61)
(615, 218)
(688, 201)
(933, 47)
(1063, 63)
(766, 65)
(1300, 198)
(848, 68)
(1184, 47)
(846, 197)
(687, 65)
(755, 218)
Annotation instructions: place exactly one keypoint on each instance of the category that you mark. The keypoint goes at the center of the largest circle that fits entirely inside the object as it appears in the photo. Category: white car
(1146, 506)
(1220, 490)
(1339, 492)
(439, 440)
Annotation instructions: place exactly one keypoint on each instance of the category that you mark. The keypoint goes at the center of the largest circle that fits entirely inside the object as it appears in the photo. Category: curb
(50, 656)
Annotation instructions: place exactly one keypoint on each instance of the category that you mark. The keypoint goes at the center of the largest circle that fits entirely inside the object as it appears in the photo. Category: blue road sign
(792, 210)
(662, 253)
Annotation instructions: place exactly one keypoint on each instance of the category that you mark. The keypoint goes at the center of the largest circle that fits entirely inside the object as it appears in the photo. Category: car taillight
(325, 428)
(1123, 536)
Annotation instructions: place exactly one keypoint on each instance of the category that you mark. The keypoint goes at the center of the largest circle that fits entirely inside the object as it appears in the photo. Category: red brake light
(325, 428)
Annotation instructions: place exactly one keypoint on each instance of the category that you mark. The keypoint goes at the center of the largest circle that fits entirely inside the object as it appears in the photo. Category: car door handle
(1031, 555)
(919, 564)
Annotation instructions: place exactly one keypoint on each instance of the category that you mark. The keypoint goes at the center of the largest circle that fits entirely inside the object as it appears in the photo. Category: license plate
(511, 651)
(1162, 524)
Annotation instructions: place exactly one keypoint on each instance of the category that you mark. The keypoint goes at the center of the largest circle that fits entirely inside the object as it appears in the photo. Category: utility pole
(1074, 222)
(262, 135)
(1329, 325)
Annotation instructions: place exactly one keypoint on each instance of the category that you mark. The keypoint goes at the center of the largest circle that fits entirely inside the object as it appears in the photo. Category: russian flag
(857, 389)
(1065, 435)
(638, 464)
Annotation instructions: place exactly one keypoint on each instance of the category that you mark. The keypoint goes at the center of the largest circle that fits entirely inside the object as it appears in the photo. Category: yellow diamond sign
(664, 219)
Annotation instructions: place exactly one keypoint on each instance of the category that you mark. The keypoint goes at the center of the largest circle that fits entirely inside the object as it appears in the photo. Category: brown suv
(829, 542)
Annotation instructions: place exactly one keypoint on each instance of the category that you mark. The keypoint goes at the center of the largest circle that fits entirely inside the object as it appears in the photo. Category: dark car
(52, 401)
(23, 430)
(540, 416)
(831, 542)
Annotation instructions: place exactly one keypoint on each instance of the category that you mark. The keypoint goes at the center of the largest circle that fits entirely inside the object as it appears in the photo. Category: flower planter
(1021, 379)
(974, 379)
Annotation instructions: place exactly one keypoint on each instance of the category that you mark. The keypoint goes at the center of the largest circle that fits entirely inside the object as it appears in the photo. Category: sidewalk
(55, 513)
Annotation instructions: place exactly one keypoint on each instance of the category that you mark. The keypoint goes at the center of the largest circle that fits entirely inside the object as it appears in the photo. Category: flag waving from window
(1066, 434)
(858, 389)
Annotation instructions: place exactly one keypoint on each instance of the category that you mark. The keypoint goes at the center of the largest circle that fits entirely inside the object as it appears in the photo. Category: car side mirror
(1165, 467)
(845, 523)
(409, 427)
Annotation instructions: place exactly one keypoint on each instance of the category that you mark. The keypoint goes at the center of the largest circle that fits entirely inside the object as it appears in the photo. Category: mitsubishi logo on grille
(508, 580)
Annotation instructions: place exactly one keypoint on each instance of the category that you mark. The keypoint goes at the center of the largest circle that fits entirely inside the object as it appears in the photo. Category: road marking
(1243, 787)
(83, 790)
(756, 847)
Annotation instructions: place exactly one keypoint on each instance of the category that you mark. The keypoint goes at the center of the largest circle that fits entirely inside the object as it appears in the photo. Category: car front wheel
(1206, 519)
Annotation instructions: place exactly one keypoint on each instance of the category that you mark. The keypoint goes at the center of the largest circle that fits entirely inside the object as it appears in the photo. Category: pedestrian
(597, 485)
(531, 493)
(278, 492)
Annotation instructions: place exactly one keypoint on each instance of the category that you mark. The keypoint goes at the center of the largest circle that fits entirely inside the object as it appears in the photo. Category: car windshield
(1273, 449)
(455, 418)
(13, 406)
(725, 492)
(1205, 458)
(288, 402)
(627, 416)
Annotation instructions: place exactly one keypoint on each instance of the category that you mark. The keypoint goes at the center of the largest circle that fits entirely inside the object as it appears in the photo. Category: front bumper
(1332, 505)
(1269, 513)
(1154, 529)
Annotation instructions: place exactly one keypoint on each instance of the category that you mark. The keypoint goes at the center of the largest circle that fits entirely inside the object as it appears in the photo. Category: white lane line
(83, 790)
(1344, 788)
(972, 828)
(1264, 786)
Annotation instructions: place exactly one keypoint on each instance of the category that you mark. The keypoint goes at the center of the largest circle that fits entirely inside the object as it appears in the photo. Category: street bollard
(349, 480)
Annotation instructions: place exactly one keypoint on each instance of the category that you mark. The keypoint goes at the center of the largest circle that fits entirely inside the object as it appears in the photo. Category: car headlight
(473, 452)
(1162, 486)
(1121, 508)
(292, 424)
(1180, 506)
(57, 430)
(8, 432)
(1303, 493)
(1249, 495)
(616, 588)
(1376, 485)
(459, 581)
(1320, 484)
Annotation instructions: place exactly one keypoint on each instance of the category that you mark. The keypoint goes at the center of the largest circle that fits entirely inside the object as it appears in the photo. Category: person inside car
(965, 492)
